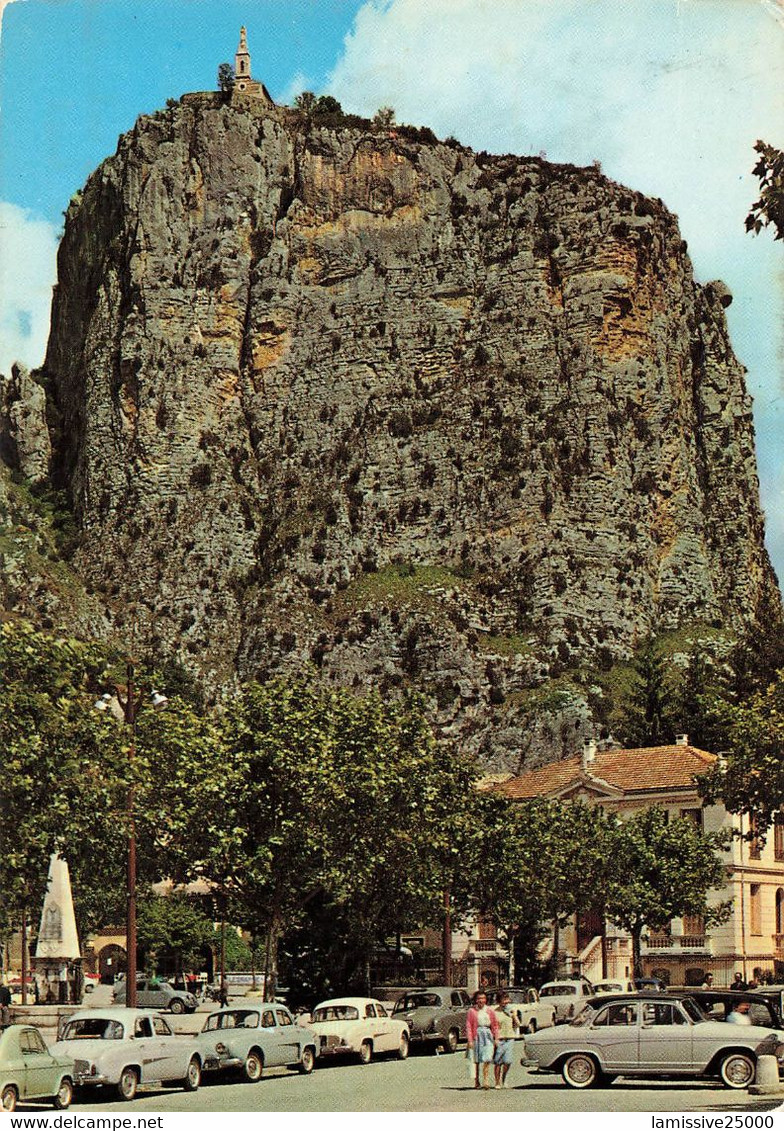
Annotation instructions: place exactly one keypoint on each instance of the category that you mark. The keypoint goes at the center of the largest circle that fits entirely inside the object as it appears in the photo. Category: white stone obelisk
(58, 942)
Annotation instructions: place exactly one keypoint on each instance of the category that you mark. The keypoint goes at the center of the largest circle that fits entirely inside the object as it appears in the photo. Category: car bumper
(89, 1080)
(222, 1063)
(334, 1046)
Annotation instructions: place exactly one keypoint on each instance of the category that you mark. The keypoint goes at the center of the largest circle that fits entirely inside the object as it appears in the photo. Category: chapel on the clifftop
(243, 83)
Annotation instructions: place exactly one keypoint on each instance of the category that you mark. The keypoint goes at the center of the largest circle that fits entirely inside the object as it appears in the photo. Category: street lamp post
(129, 704)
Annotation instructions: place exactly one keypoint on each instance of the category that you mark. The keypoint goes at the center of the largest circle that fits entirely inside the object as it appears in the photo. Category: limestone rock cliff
(408, 412)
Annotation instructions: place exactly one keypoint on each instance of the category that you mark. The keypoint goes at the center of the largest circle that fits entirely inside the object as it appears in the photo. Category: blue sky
(669, 95)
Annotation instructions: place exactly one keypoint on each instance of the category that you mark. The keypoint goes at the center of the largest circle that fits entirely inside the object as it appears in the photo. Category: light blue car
(248, 1039)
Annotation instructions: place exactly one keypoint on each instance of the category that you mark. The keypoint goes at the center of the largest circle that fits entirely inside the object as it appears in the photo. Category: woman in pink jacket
(482, 1034)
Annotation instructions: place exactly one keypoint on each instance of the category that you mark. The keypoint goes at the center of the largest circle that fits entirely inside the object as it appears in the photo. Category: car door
(38, 1064)
(289, 1036)
(14, 1065)
(169, 1050)
(666, 1038)
(615, 1035)
(271, 1039)
(148, 1050)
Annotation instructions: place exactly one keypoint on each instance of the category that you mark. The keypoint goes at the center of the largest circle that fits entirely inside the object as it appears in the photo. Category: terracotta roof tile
(632, 771)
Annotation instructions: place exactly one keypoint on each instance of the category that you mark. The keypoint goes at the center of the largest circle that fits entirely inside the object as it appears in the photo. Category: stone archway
(111, 962)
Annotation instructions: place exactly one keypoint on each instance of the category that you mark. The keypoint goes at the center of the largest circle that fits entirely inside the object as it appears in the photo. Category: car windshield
(337, 1013)
(236, 1019)
(93, 1029)
(557, 991)
(416, 1001)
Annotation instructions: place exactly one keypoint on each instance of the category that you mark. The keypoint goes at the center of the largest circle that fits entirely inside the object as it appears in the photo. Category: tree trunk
(271, 980)
(25, 959)
(636, 949)
(447, 939)
(556, 944)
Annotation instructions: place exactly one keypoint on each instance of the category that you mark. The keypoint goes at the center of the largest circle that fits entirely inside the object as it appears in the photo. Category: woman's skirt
(484, 1046)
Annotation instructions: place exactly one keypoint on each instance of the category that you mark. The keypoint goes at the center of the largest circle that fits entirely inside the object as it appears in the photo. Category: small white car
(568, 997)
(531, 1011)
(621, 986)
(360, 1026)
(128, 1049)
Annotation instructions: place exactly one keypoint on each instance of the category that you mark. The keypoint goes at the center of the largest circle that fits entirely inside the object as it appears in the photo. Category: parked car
(532, 1012)
(650, 1035)
(30, 1071)
(621, 986)
(152, 993)
(718, 1004)
(128, 1049)
(568, 997)
(435, 1016)
(250, 1040)
(358, 1025)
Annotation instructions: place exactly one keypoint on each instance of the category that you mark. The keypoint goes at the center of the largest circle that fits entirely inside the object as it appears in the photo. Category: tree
(305, 102)
(665, 869)
(750, 777)
(384, 118)
(326, 104)
(769, 208)
(175, 923)
(225, 78)
(58, 780)
(543, 861)
(324, 796)
(647, 710)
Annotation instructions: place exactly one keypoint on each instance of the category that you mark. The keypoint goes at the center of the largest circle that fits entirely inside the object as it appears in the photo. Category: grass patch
(404, 585)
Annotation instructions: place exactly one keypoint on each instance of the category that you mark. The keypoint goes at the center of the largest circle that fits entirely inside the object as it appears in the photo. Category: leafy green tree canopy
(769, 208)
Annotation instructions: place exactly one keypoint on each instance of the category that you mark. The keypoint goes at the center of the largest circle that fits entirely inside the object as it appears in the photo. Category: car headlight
(221, 1049)
(93, 1069)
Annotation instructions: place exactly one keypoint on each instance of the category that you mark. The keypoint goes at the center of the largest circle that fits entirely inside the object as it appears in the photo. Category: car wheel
(402, 1048)
(307, 1061)
(365, 1052)
(128, 1084)
(452, 1037)
(737, 1070)
(580, 1070)
(8, 1098)
(193, 1075)
(64, 1095)
(531, 1026)
(253, 1066)
(177, 1006)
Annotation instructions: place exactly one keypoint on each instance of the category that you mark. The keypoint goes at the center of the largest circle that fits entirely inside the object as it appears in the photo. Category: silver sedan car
(650, 1035)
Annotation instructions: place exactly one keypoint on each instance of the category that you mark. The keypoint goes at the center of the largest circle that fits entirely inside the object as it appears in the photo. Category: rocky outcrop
(412, 414)
(24, 436)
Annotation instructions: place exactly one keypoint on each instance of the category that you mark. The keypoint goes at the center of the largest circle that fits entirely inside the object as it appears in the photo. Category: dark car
(718, 1004)
(436, 1016)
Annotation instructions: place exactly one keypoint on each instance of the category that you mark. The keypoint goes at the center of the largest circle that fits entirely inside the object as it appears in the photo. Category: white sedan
(360, 1026)
(531, 1011)
(568, 997)
(127, 1049)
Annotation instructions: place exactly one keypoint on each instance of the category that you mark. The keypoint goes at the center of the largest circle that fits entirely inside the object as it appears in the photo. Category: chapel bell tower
(242, 61)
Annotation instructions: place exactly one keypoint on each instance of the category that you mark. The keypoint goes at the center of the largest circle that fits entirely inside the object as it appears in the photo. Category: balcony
(486, 946)
(657, 941)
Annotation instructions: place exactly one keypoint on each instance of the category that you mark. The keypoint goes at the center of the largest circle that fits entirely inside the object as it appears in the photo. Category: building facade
(626, 781)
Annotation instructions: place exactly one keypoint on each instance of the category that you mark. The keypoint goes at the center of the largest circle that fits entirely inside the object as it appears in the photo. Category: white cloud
(28, 247)
(670, 96)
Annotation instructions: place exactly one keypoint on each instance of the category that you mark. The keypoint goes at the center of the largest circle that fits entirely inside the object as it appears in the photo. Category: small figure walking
(481, 1034)
(224, 995)
(5, 1005)
(507, 1030)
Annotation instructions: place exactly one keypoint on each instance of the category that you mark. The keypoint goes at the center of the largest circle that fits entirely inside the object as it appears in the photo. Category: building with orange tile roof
(625, 781)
